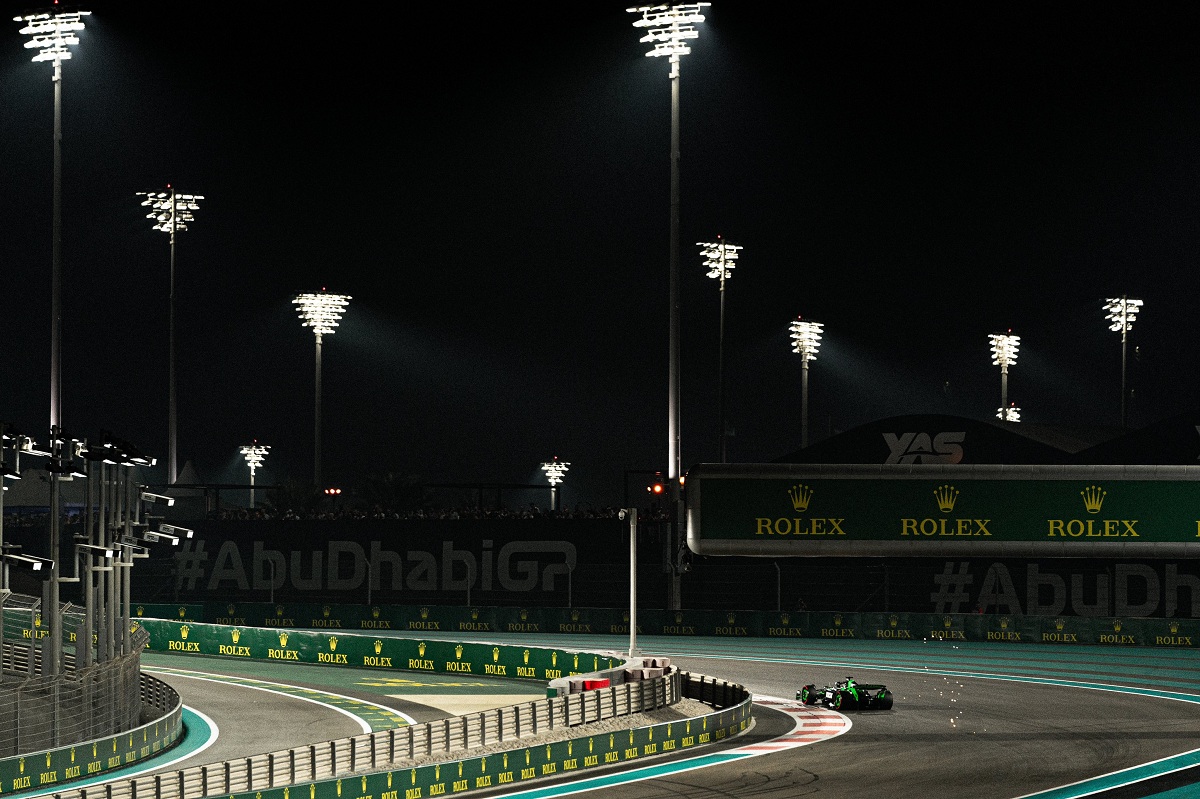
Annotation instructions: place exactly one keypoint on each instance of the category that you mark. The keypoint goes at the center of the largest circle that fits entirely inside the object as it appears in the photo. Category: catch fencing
(405, 747)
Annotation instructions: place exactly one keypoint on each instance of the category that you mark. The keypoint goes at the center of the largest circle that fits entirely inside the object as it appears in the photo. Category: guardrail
(399, 747)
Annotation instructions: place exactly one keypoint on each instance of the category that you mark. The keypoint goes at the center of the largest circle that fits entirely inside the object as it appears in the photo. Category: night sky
(490, 184)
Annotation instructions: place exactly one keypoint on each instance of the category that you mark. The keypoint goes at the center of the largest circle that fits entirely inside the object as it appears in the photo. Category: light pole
(1121, 313)
(51, 35)
(806, 340)
(254, 454)
(171, 212)
(668, 28)
(1004, 354)
(321, 312)
(718, 259)
(554, 470)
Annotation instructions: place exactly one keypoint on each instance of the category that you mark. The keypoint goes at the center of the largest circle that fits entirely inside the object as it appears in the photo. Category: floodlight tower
(52, 33)
(719, 259)
(321, 312)
(171, 212)
(254, 454)
(668, 28)
(1004, 355)
(554, 470)
(806, 340)
(1121, 313)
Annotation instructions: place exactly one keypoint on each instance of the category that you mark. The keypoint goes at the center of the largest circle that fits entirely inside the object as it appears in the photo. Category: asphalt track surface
(994, 721)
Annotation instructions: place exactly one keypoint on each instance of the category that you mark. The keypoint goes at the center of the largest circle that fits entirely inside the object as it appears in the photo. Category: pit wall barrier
(385, 763)
(415, 619)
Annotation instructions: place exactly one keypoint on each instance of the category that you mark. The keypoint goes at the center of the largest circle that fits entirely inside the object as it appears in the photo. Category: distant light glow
(322, 311)
(668, 27)
(52, 34)
(1121, 313)
(255, 454)
(718, 257)
(555, 470)
(170, 210)
(806, 338)
(1004, 349)
(1010, 414)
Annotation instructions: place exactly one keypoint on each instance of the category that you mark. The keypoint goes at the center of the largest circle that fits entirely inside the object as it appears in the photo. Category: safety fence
(403, 753)
(43, 711)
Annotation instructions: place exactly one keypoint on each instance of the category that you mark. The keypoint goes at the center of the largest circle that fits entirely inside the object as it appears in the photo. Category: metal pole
(1124, 334)
(317, 423)
(1004, 392)
(632, 582)
(171, 417)
(804, 403)
(54, 648)
(674, 456)
(721, 362)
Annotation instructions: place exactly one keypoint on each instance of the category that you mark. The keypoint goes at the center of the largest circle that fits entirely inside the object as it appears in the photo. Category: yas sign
(921, 448)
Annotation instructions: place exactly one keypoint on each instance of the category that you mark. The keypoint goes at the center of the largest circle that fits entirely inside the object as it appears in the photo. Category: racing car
(847, 694)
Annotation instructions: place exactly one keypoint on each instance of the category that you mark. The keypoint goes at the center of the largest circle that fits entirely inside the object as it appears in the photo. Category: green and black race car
(847, 694)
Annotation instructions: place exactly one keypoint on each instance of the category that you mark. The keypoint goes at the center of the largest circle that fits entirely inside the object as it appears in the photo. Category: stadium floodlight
(158, 499)
(806, 340)
(107, 553)
(1121, 311)
(668, 29)
(554, 470)
(719, 259)
(254, 454)
(153, 536)
(171, 212)
(320, 312)
(1004, 354)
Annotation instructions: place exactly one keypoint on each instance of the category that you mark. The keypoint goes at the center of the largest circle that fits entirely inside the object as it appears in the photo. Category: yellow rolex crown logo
(785, 619)
(1004, 622)
(946, 496)
(325, 611)
(279, 610)
(554, 659)
(1059, 624)
(893, 621)
(1116, 625)
(378, 646)
(1093, 498)
(495, 654)
(424, 613)
(474, 614)
(1174, 627)
(947, 622)
(801, 495)
(574, 615)
(283, 639)
(236, 634)
(458, 652)
(332, 643)
(375, 613)
(525, 656)
(231, 610)
(421, 649)
(184, 630)
(730, 618)
(524, 614)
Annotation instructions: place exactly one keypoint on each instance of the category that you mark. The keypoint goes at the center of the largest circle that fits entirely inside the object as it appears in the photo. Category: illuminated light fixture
(108, 553)
(1121, 313)
(171, 212)
(668, 28)
(806, 340)
(718, 259)
(171, 529)
(1004, 354)
(554, 470)
(158, 499)
(52, 34)
(31, 562)
(254, 454)
(321, 312)
(1010, 414)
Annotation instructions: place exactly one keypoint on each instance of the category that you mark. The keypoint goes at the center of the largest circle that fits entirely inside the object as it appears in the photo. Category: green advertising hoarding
(775, 510)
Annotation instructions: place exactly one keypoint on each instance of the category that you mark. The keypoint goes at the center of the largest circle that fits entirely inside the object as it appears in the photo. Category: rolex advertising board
(918, 510)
